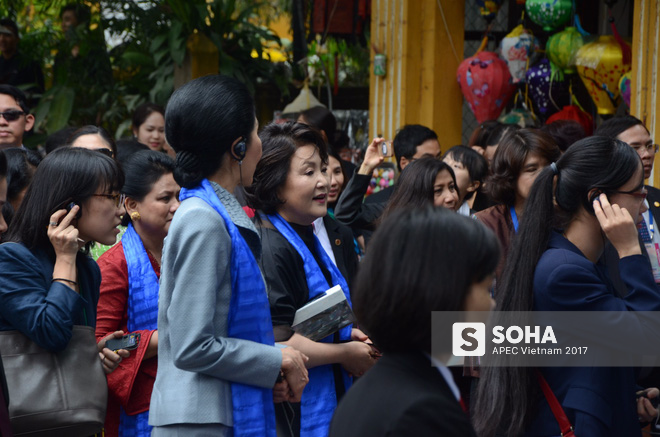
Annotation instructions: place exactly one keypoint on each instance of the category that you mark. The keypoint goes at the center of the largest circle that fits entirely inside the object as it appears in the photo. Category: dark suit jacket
(351, 211)
(402, 395)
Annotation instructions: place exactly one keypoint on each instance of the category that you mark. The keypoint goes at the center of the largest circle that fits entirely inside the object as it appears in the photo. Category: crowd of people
(205, 235)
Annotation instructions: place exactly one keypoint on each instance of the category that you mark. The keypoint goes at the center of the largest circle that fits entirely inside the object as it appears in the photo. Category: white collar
(446, 373)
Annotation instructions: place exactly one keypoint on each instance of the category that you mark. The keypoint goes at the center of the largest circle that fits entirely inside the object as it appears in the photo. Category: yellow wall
(420, 85)
(645, 94)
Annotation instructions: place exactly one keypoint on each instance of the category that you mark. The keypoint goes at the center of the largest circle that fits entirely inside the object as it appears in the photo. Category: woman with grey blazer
(219, 370)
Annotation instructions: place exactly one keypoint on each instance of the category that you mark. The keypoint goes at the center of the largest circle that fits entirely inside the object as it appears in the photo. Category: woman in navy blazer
(48, 283)
(592, 194)
(408, 272)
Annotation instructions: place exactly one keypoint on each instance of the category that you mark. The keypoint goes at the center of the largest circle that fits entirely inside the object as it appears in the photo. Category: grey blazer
(196, 359)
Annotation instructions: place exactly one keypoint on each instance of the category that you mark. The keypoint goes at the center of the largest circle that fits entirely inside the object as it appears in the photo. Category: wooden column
(645, 94)
(420, 86)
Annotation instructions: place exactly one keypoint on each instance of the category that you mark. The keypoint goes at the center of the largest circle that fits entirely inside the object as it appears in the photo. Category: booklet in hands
(323, 315)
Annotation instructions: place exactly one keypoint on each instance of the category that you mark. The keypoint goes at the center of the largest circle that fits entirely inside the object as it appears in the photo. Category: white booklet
(323, 315)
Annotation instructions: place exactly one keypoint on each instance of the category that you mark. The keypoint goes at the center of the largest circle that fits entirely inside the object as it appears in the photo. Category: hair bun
(188, 170)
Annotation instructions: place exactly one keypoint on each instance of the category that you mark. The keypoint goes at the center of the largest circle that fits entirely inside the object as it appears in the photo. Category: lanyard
(514, 218)
(651, 222)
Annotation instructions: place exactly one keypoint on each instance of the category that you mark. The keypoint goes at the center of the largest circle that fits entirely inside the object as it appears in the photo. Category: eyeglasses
(118, 198)
(636, 193)
(651, 148)
(12, 115)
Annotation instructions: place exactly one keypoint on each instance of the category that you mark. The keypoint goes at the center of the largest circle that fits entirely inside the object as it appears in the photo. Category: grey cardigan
(196, 359)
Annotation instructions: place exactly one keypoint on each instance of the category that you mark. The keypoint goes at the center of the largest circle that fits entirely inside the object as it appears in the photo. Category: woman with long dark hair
(593, 194)
(425, 181)
(217, 360)
(129, 288)
(48, 283)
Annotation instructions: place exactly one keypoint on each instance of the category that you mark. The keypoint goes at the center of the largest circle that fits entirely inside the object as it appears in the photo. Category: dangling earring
(135, 215)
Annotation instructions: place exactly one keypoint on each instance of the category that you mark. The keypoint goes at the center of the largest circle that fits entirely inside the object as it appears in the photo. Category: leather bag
(55, 394)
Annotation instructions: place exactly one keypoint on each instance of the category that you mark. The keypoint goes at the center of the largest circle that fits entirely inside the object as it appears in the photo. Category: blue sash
(319, 399)
(249, 319)
(142, 314)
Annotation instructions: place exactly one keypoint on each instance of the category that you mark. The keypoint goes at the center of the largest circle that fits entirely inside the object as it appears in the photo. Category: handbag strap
(564, 424)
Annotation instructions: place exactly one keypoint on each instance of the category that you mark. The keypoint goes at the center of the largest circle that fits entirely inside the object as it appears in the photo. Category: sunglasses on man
(12, 115)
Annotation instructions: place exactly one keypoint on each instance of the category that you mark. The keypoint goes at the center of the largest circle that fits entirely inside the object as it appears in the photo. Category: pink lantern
(486, 84)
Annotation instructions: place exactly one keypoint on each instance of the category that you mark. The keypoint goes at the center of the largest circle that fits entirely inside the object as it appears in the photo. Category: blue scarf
(249, 319)
(319, 399)
(142, 314)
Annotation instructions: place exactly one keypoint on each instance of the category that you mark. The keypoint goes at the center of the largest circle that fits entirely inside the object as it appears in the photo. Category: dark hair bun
(188, 171)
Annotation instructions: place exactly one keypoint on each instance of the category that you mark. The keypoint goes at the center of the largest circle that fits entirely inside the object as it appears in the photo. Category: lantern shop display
(547, 88)
(380, 179)
(549, 14)
(573, 112)
(489, 8)
(600, 66)
(562, 48)
(519, 49)
(520, 116)
(486, 84)
(624, 87)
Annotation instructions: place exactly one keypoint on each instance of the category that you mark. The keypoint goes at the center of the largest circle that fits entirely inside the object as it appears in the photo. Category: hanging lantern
(562, 48)
(549, 14)
(573, 112)
(624, 87)
(600, 66)
(489, 8)
(520, 116)
(486, 84)
(547, 88)
(519, 49)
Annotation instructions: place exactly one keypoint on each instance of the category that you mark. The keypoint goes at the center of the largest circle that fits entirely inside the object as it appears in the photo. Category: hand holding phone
(128, 342)
(386, 149)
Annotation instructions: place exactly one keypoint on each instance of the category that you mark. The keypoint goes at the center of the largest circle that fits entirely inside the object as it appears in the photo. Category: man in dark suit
(413, 141)
(631, 130)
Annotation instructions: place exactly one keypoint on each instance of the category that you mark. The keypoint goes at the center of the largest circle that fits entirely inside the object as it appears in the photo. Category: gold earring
(135, 215)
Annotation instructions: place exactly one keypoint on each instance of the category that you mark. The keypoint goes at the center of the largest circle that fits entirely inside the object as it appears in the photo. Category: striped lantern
(624, 87)
(486, 84)
(562, 48)
(549, 14)
(600, 66)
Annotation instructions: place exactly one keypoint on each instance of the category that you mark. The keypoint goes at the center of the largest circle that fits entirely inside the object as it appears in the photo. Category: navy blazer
(599, 401)
(43, 310)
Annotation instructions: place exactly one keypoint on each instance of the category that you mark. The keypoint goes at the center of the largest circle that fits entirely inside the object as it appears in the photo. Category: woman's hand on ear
(618, 225)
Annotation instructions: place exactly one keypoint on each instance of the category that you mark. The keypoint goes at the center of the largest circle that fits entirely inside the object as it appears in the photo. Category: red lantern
(486, 84)
(574, 113)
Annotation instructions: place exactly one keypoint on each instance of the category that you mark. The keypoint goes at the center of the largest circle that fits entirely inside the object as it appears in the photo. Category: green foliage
(353, 60)
(149, 38)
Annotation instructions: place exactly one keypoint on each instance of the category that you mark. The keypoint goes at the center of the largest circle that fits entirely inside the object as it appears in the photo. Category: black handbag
(55, 394)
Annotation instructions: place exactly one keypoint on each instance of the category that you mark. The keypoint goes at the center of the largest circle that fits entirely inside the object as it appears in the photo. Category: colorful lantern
(486, 83)
(549, 14)
(573, 112)
(489, 8)
(562, 48)
(519, 49)
(624, 87)
(547, 88)
(520, 116)
(600, 66)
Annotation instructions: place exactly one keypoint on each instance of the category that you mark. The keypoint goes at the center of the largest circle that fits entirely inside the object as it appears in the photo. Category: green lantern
(549, 14)
(562, 47)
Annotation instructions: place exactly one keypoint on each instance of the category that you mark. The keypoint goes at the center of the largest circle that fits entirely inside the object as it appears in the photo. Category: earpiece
(595, 196)
(239, 150)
